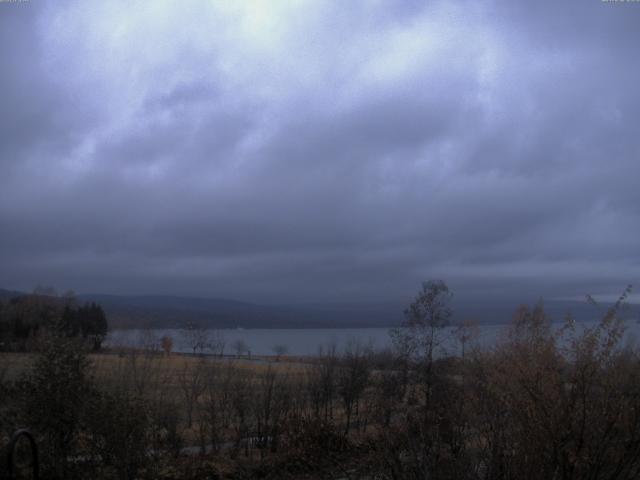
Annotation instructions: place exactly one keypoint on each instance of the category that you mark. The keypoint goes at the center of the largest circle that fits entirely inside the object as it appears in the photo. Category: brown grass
(13, 365)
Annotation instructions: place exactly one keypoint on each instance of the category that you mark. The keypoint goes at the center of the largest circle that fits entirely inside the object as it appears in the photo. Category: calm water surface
(309, 341)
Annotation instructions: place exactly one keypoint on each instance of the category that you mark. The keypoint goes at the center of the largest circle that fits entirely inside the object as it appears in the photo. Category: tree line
(24, 319)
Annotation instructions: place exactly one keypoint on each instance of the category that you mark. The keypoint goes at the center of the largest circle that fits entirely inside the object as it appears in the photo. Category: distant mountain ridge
(174, 311)
(168, 311)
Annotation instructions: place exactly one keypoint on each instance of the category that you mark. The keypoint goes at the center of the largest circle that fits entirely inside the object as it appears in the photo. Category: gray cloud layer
(313, 151)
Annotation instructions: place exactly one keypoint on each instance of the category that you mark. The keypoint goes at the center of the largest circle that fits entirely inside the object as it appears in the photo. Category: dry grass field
(180, 380)
(13, 364)
(109, 363)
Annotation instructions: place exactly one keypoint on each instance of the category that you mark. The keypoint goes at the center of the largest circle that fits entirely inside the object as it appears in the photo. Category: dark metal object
(11, 450)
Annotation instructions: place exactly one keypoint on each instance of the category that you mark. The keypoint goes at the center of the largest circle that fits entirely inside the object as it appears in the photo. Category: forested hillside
(25, 319)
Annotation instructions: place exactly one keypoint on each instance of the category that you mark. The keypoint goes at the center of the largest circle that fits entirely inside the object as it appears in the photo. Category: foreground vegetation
(544, 403)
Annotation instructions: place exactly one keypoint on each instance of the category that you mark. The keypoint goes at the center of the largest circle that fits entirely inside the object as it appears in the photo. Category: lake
(308, 341)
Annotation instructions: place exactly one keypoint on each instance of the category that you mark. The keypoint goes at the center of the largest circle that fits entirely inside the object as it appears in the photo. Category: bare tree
(217, 406)
(192, 379)
(240, 347)
(216, 343)
(279, 351)
(321, 383)
(242, 409)
(195, 337)
(559, 403)
(465, 332)
(271, 403)
(353, 377)
(421, 335)
(148, 341)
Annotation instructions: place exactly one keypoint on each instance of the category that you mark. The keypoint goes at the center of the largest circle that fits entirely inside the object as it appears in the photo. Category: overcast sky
(320, 151)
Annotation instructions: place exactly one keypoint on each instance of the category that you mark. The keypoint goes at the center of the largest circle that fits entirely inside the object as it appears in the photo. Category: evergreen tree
(55, 393)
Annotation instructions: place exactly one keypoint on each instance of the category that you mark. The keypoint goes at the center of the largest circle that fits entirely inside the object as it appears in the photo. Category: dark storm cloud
(311, 152)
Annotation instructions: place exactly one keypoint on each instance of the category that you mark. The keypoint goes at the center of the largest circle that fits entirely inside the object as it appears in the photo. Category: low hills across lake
(166, 311)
